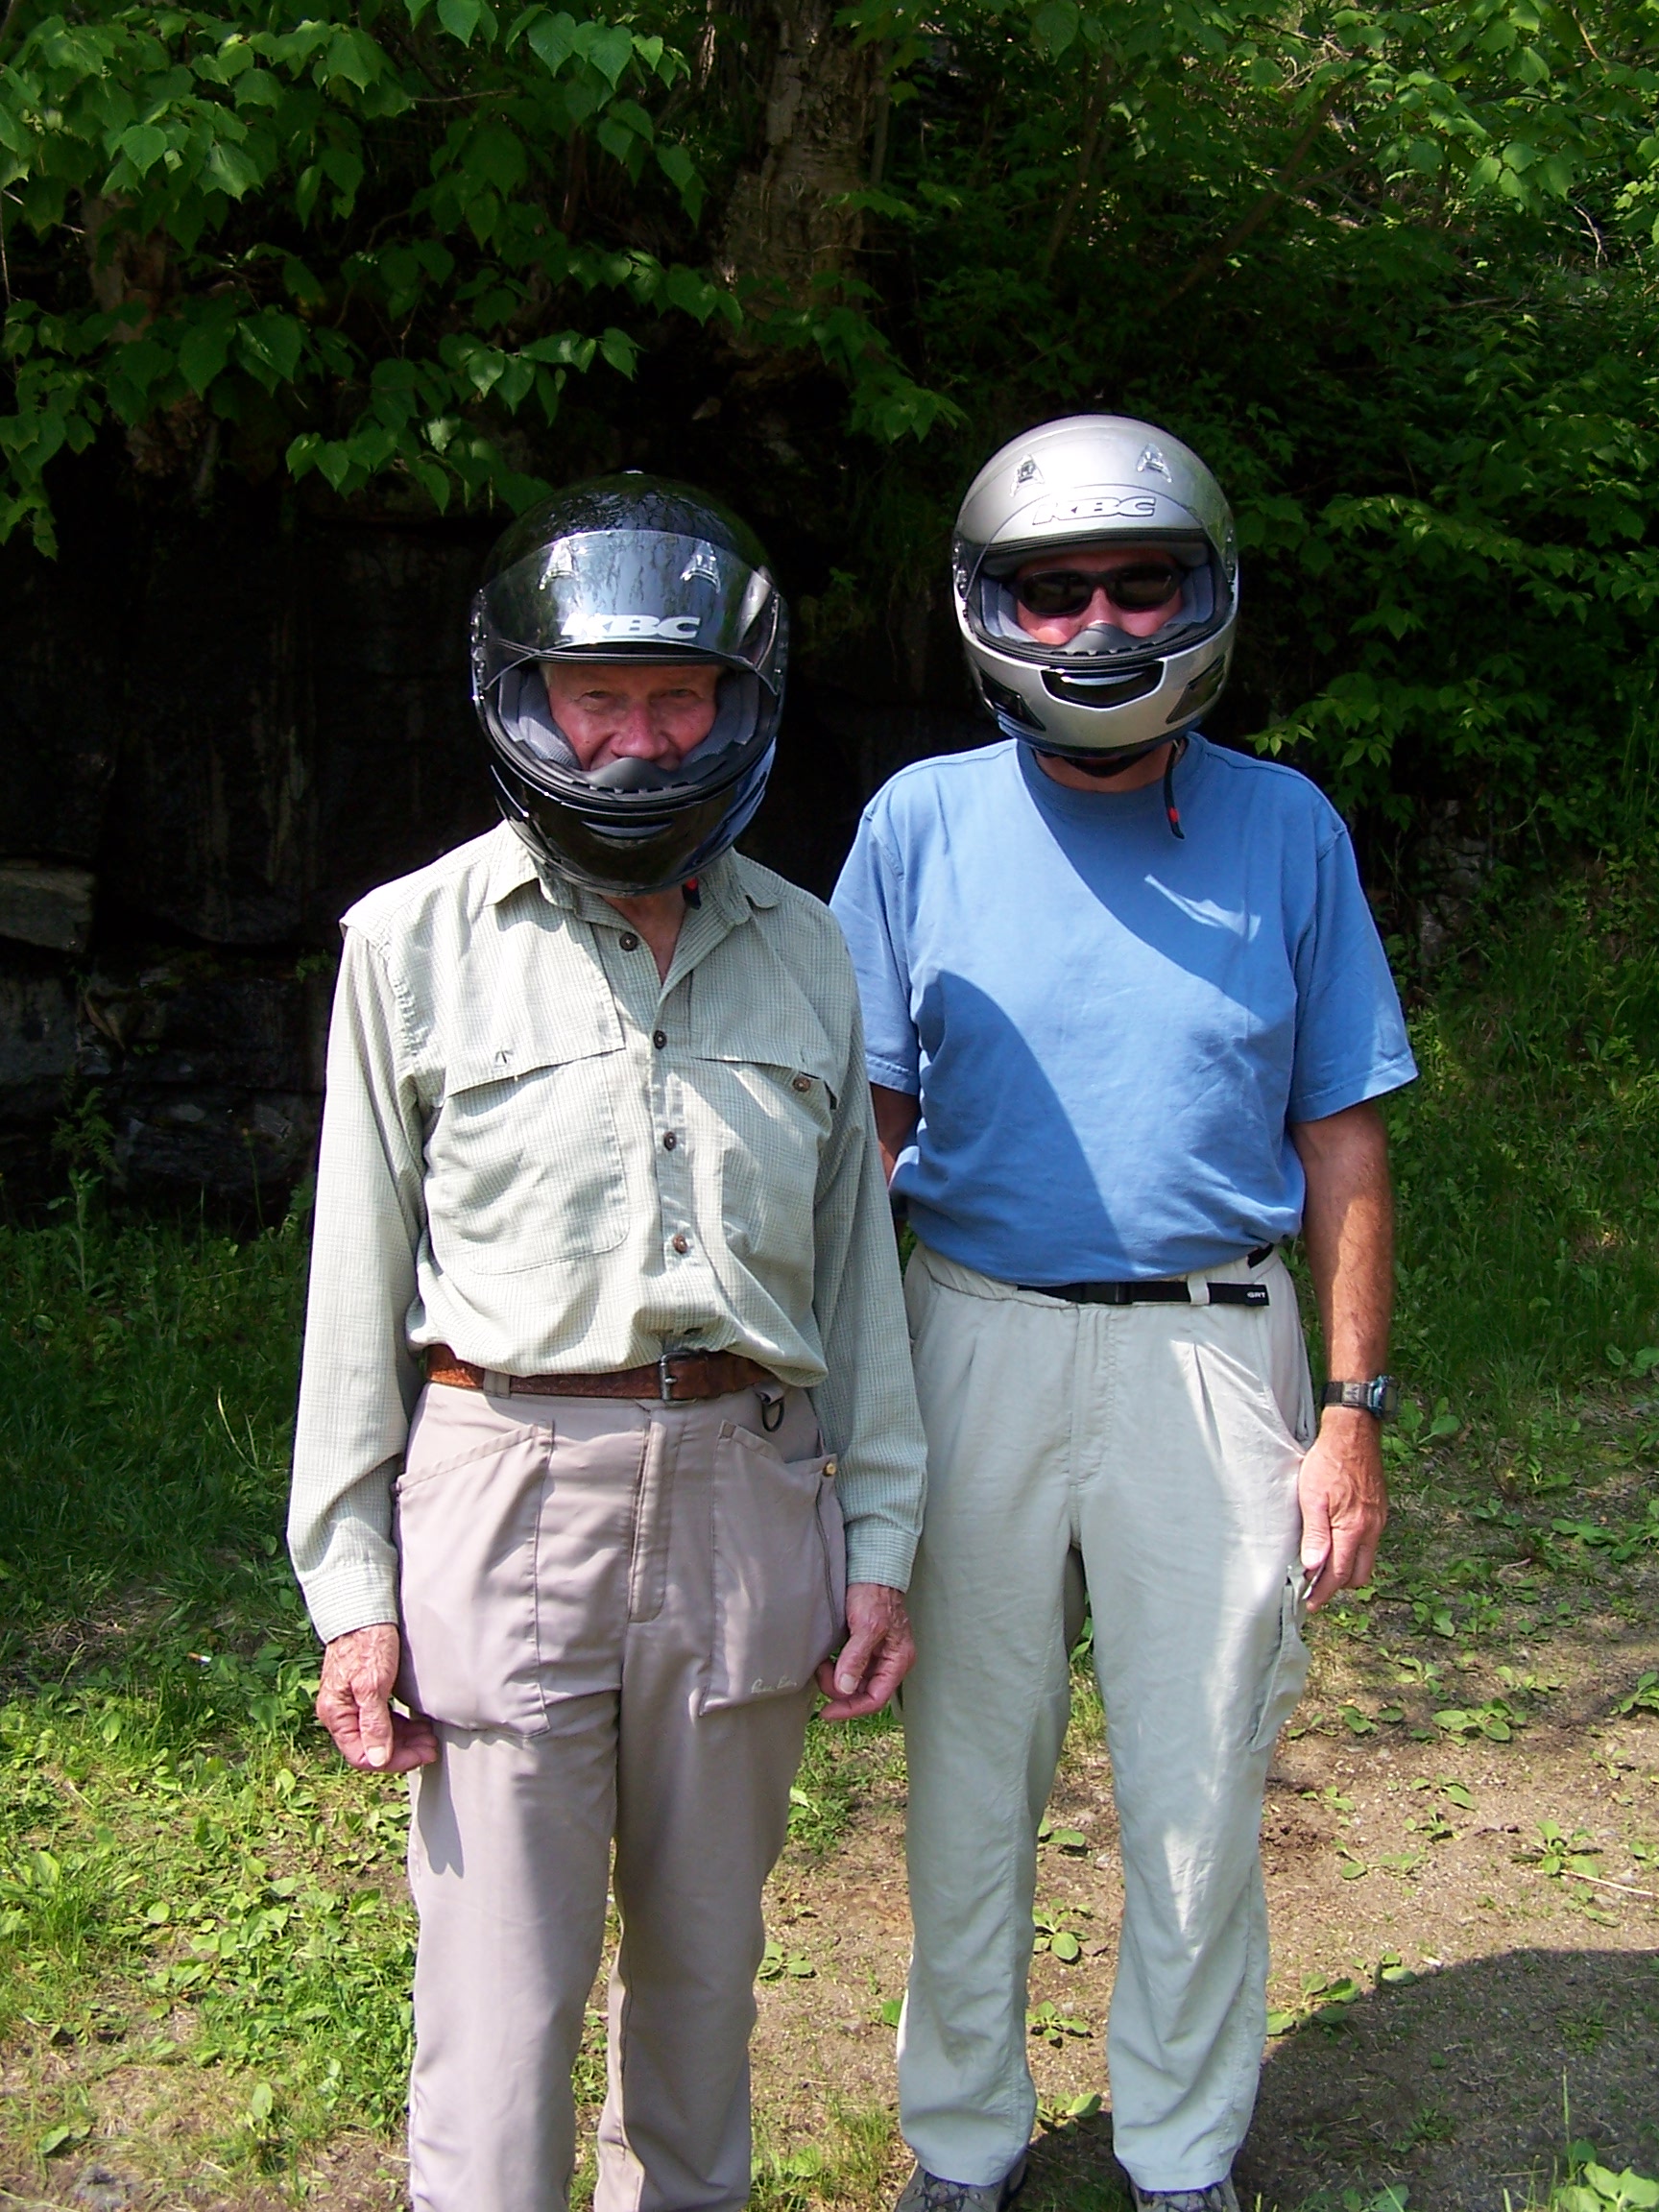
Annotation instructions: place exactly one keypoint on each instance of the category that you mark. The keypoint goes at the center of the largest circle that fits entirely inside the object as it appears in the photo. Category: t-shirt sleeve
(1351, 1042)
(868, 904)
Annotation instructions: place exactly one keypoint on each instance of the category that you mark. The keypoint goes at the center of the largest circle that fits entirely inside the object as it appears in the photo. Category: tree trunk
(782, 223)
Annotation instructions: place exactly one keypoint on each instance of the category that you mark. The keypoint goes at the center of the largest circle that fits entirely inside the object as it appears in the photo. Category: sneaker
(926, 2192)
(1220, 2196)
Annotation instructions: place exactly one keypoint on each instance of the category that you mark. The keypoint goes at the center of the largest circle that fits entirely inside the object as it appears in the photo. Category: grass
(202, 1914)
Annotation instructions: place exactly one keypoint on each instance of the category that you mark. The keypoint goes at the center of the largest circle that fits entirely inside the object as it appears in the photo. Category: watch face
(1386, 1397)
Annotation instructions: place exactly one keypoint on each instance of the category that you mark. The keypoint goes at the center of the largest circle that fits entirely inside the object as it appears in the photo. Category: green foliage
(347, 237)
(1524, 1159)
(1390, 269)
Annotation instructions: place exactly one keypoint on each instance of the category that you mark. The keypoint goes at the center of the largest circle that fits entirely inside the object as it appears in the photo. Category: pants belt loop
(1198, 1288)
(498, 1383)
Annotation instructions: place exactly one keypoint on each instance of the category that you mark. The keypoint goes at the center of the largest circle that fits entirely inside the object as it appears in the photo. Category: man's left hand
(875, 1658)
(1344, 1503)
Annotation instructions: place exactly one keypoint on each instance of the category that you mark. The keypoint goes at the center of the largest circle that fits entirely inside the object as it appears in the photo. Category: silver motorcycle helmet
(639, 569)
(1096, 480)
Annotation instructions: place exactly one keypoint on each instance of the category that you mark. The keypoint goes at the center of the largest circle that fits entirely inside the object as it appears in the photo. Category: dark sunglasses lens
(1055, 591)
(1135, 589)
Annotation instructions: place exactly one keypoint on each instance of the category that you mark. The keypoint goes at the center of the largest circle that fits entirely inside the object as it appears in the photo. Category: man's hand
(1344, 1503)
(359, 1673)
(876, 1657)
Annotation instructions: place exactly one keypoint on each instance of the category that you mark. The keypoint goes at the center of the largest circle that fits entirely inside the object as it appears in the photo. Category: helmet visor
(1177, 574)
(627, 594)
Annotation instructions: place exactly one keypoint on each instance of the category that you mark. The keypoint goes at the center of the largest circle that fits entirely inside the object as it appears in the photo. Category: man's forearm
(896, 1114)
(1348, 1230)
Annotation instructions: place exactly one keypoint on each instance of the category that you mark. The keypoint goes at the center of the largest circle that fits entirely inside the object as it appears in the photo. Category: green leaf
(1054, 26)
(1066, 1947)
(677, 165)
(620, 350)
(553, 41)
(232, 170)
(608, 48)
(143, 146)
(497, 153)
(203, 351)
(460, 18)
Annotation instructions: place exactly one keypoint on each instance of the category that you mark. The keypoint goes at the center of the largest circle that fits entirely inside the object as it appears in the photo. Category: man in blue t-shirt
(1128, 1017)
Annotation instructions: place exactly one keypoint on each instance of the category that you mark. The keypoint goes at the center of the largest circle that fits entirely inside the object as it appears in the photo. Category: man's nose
(638, 738)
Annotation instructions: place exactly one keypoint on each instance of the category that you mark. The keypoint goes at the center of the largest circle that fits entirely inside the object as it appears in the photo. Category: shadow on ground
(1433, 2086)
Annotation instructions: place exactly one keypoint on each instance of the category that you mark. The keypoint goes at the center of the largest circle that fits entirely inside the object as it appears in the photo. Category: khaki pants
(1156, 1449)
(612, 1609)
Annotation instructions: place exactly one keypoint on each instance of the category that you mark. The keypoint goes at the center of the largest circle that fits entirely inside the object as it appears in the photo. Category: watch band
(1380, 1396)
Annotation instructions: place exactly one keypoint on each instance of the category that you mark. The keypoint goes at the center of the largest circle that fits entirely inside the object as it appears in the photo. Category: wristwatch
(1380, 1397)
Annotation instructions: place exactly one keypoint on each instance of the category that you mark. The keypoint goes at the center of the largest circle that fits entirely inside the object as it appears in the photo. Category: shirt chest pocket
(767, 1113)
(523, 1161)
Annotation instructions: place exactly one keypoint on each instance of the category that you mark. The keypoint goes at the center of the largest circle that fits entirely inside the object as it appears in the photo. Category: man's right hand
(359, 1672)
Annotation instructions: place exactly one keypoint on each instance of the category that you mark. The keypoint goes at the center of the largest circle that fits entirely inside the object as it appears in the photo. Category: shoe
(926, 2192)
(1220, 2196)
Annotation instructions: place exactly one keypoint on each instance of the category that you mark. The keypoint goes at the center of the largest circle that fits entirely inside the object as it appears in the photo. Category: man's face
(619, 710)
(1099, 561)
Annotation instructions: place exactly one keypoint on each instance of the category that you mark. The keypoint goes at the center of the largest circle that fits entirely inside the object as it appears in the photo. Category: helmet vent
(1001, 701)
(1200, 691)
(1103, 690)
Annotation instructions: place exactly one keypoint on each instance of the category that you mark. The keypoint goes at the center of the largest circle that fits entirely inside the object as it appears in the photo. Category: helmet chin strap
(1102, 769)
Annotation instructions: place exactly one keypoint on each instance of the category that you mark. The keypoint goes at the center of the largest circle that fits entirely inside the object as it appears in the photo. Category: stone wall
(215, 734)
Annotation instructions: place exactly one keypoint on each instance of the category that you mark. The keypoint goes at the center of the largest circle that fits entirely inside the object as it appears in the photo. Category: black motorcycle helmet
(633, 568)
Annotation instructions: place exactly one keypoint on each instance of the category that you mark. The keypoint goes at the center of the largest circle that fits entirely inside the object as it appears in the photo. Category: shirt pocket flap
(521, 1040)
(796, 1050)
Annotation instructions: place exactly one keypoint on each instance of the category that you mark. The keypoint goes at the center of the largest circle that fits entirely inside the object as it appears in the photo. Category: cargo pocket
(1288, 1675)
(466, 1519)
(780, 1583)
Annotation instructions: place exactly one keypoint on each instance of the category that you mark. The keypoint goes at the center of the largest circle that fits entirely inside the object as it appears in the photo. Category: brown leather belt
(673, 1380)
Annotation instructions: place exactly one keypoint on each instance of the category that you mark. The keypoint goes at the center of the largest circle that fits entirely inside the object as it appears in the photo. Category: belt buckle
(664, 1380)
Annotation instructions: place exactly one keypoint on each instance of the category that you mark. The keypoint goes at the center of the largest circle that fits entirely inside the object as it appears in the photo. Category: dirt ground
(1461, 1845)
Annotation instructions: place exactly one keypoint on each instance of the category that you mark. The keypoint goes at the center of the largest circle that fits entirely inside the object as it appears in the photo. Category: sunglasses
(1135, 589)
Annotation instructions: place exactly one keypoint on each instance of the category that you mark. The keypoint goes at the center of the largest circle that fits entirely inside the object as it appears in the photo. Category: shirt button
(682, 1243)
(659, 1038)
(669, 1141)
(629, 941)
(801, 1083)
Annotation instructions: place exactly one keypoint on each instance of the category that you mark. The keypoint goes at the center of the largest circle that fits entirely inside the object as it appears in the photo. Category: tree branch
(1252, 220)
(1093, 118)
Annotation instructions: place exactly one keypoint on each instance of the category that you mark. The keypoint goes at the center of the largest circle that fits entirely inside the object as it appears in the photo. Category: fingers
(353, 1703)
(881, 1666)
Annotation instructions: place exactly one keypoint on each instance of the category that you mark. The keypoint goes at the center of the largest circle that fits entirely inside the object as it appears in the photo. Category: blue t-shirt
(1109, 1028)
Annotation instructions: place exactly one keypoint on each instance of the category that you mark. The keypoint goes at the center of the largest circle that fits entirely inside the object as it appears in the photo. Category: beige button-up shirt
(538, 1153)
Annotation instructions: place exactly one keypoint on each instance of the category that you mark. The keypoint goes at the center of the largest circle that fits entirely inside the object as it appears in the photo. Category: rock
(201, 1019)
(101, 2189)
(250, 1150)
(36, 1035)
(41, 903)
(210, 1071)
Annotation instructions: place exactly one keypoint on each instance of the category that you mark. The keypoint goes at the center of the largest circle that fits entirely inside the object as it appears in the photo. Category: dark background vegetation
(301, 304)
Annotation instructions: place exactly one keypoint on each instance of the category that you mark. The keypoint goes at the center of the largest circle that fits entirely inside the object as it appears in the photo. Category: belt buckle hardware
(664, 1380)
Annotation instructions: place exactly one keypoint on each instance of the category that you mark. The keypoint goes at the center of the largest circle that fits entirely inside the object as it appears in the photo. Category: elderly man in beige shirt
(607, 1433)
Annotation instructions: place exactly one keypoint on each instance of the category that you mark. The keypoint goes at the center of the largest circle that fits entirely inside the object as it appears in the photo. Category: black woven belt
(1171, 1293)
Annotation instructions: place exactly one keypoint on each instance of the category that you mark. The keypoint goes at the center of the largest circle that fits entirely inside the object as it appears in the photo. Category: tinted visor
(613, 595)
